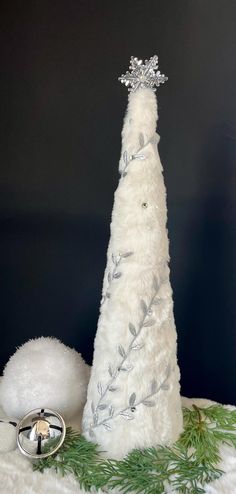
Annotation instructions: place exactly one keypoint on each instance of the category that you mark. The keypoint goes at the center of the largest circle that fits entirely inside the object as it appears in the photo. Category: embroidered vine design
(147, 320)
(114, 274)
(128, 412)
(127, 158)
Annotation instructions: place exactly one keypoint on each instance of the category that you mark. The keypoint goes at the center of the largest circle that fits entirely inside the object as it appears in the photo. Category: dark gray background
(61, 117)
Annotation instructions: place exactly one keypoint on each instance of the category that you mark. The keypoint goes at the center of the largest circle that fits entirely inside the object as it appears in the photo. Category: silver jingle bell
(40, 433)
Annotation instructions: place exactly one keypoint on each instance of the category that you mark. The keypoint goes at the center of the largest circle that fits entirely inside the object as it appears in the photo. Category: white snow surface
(17, 476)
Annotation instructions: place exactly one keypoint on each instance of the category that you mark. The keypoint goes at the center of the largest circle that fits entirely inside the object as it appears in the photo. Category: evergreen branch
(186, 467)
(79, 457)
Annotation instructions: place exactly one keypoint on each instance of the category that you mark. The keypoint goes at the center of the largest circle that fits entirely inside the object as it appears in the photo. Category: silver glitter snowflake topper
(143, 75)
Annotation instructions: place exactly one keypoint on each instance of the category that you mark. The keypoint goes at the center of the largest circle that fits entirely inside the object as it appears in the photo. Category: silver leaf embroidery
(106, 426)
(112, 388)
(127, 368)
(95, 418)
(155, 388)
(144, 307)
(126, 416)
(141, 139)
(103, 406)
(133, 404)
(132, 329)
(149, 323)
(127, 254)
(121, 351)
(111, 411)
(132, 399)
(117, 275)
(137, 347)
(149, 403)
(99, 388)
(114, 274)
(138, 155)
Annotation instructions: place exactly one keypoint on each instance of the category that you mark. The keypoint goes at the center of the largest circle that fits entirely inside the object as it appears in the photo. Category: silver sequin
(143, 75)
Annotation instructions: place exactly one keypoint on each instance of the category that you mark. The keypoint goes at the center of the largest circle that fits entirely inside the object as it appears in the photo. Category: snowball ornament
(44, 373)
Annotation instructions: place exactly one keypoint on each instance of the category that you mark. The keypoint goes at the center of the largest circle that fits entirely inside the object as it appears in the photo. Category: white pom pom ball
(44, 373)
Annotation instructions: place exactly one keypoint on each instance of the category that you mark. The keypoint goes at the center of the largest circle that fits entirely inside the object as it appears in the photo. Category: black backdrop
(61, 117)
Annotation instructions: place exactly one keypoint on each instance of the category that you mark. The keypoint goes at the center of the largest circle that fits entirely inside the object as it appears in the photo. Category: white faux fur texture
(17, 476)
(45, 373)
(138, 226)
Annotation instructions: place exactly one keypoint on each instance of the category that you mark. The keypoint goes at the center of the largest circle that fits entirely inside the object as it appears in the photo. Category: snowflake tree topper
(143, 75)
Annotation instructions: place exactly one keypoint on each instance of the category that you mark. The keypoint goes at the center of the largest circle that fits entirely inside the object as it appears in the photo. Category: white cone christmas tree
(134, 395)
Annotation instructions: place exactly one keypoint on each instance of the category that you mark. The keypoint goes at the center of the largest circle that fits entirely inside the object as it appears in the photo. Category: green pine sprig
(77, 456)
(187, 466)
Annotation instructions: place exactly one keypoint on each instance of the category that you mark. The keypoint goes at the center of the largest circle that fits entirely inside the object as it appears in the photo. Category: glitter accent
(143, 75)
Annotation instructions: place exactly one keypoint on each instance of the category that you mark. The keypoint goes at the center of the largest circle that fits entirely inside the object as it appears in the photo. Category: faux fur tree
(134, 395)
